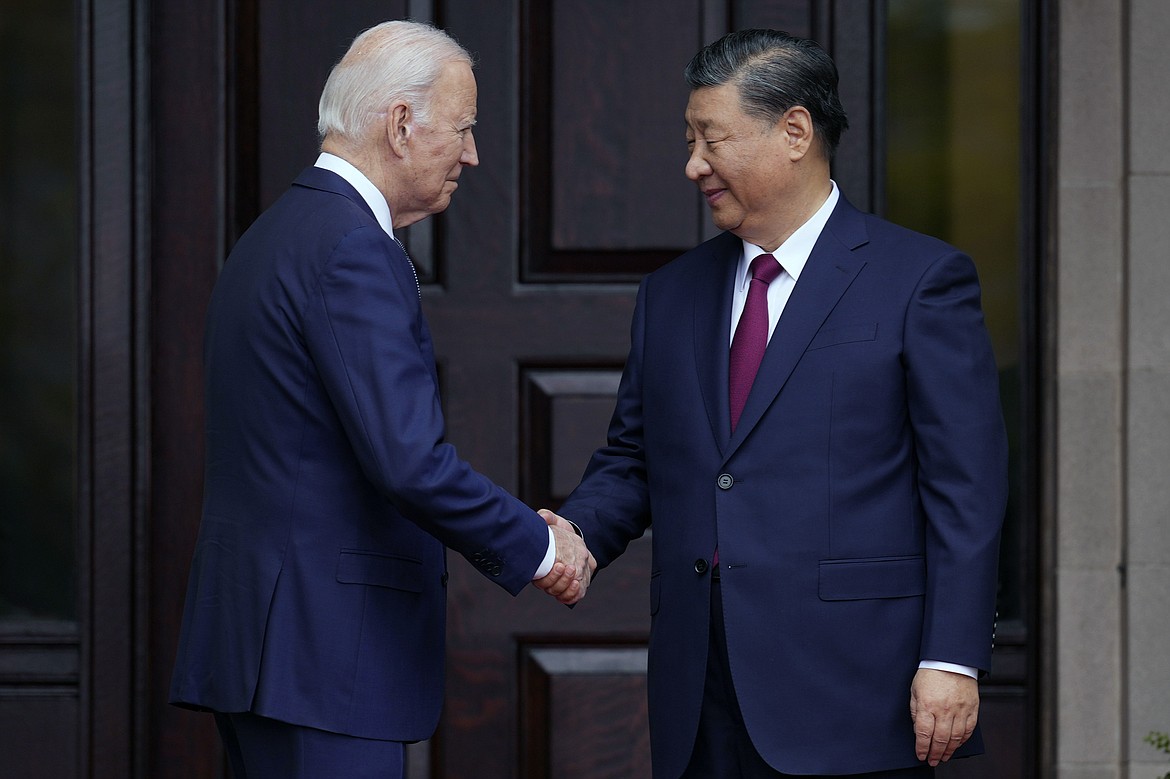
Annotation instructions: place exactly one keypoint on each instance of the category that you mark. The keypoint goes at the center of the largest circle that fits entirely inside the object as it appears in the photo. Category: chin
(726, 223)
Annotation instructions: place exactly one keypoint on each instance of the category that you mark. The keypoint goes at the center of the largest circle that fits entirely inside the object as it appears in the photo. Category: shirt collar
(794, 252)
(371, 194)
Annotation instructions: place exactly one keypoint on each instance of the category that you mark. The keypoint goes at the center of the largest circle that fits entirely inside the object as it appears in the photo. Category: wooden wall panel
(564, 416)
(39, 733)
(602, 143)
(617, 99)
(583, 711)
(39, 700)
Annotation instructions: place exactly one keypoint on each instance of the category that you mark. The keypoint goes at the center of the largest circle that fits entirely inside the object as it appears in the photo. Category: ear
(799, 132)
(399, 127)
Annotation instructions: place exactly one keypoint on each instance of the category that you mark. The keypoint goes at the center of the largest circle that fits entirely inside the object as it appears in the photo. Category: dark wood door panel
(602, 150)
(563, 417)
(583, 711)
(39, 732)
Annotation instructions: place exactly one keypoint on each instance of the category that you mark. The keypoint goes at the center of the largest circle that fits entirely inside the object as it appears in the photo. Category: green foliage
(1160, 741)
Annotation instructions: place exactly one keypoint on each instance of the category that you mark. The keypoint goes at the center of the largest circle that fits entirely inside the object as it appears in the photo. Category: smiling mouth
(712, 195)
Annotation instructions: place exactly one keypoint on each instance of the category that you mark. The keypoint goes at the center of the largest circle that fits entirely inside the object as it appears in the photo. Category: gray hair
(775, 71)
(397, 60)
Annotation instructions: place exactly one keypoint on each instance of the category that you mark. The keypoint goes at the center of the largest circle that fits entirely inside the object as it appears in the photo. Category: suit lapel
(328, 181)
(712, 296)
(831, 268)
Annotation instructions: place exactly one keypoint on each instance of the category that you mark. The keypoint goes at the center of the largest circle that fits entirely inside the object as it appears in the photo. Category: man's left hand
(944, 707)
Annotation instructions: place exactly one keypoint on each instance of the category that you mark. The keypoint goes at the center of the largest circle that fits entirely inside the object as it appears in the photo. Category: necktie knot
(765, 268)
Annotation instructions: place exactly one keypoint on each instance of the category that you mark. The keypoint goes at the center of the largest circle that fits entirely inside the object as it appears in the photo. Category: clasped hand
(574, 566)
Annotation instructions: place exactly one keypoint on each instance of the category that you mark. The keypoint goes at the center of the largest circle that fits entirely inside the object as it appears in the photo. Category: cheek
(443, 162)
(746, 183)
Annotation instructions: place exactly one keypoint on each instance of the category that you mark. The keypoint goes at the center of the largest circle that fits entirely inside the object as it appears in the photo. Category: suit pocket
(843, 334)
(379, 570)
(873, 577)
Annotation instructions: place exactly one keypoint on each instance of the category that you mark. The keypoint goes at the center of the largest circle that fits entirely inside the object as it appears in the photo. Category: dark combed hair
(775, 71)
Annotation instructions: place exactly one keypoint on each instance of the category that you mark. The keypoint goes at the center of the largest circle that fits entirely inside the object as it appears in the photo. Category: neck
(365, 158)
(797, 210)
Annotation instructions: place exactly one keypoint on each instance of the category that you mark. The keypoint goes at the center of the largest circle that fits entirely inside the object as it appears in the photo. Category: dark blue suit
(857, 506)
(317, 591)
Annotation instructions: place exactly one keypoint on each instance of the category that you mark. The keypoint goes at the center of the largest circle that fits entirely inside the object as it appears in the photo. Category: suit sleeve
(364, 331)
(961, 449)
(612, 503)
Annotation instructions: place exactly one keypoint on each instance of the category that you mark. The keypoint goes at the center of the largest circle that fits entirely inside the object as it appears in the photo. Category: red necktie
(751, 335)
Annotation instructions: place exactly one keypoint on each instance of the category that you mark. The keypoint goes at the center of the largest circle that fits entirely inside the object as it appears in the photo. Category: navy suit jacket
(857, 506)
(317, 590)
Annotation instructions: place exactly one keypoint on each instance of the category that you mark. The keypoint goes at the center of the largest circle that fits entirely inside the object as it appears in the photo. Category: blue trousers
(262, 748)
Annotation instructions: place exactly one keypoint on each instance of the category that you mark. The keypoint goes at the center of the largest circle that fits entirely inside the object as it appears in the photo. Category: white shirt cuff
(954, 668)
(550, 557)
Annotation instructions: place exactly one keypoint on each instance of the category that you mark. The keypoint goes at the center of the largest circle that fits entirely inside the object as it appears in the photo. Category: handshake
(573, 569)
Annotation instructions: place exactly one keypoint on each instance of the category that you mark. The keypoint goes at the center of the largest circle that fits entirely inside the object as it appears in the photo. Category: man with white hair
(314, 622)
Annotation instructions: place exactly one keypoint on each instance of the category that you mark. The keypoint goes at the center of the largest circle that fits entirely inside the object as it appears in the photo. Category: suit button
(495, 570)
(700, 566)
(725, 481)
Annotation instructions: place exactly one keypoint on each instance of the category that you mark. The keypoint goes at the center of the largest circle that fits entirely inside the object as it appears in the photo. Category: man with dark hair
(809, 416)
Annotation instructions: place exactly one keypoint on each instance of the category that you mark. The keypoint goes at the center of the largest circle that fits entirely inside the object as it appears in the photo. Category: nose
(697, 166)
(470, 154)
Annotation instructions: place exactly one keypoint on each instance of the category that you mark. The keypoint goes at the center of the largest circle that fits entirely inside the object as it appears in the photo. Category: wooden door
(193, 117)
(528, 284)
